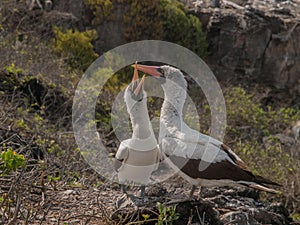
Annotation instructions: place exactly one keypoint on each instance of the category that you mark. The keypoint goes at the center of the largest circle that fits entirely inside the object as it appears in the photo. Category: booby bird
(184, 147)
(138, 157)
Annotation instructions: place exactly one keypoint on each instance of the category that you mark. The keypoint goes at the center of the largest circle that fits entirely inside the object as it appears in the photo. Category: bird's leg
(192, 191)
(123, 188)
(142, 191)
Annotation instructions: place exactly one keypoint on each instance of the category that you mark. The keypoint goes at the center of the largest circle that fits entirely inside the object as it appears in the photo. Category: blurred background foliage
(102, 10)
(75, 46)
(164, 20)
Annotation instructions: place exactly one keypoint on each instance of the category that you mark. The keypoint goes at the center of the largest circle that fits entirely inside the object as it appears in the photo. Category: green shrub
(164, 20)
(243, 112)
(11, 160)
(76, 46)
(102, 10)
(12, 69)
(195, 39)
(183, 29)
(175, 20)
(143, 20)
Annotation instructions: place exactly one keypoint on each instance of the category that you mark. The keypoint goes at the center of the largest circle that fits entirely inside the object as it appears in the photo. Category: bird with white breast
(137, 157)
(184, 148)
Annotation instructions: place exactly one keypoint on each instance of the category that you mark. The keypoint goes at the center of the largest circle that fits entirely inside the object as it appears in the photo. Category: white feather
(140, 153)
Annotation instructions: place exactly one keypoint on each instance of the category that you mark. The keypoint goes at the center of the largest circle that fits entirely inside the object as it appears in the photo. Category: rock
(288, 143)
(265, 217)
(156, 191)
(197, 211)
(240, 2)
(296, 130)
(247, 40)
(70, 192)
(224, 206)
(238, 218)
(281, 62)
(255, 45)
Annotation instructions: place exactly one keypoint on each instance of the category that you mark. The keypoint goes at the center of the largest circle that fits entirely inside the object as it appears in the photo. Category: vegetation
(143, 21)
(11, 160)
(254, 132)
(167, 215)
(102, 10)
(183, 29)
(159, 20)
(76, 46)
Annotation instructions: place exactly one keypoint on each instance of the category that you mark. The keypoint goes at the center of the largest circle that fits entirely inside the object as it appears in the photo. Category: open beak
(151, 70)
(140, 87)
(135, 73)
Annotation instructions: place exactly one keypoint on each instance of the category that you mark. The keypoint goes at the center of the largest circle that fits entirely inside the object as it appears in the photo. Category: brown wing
(235, 158)
(223, 170)
(215, 171)
(240, 163)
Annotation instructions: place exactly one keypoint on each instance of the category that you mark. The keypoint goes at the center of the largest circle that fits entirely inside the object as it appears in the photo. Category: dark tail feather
(262, 180)
(263, 188)
(259, 187)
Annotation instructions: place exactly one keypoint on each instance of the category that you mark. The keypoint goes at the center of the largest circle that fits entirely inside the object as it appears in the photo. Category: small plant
(145, 216)
(167, 215)
(20, 123)
(12, 69)
(296, 217)
(53, 180)
(11, 160)
(76, 46)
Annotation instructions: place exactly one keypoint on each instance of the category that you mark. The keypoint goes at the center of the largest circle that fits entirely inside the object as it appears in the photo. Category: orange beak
(151, 70)
(135, 73)
(140, 86)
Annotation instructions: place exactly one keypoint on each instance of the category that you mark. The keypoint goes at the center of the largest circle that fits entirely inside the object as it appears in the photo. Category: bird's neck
(140, 121)
(171, 112)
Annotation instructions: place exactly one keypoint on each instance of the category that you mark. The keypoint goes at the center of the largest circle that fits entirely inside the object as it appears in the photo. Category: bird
(184, 147)
(137, 157)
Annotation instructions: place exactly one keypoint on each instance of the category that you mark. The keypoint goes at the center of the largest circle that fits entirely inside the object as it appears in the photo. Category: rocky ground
(107, 205)
(36, 199)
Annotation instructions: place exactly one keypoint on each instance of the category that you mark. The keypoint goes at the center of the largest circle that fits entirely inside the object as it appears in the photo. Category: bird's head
(171, 78)
(134, 92)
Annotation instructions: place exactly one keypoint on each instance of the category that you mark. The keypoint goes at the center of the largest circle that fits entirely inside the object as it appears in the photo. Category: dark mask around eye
(160, 70)
(138, 97)
(133, 86)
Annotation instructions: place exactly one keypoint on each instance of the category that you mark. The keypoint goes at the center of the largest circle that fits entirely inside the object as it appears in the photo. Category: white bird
(138, 157)
(186, 149)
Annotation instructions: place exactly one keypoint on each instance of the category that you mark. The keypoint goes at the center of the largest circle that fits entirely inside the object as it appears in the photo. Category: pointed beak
(135, 73)
(140, 87)
(151, 70)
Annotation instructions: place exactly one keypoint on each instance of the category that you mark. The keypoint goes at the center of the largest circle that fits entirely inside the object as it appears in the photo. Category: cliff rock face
(248, 40)
(256, 44)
